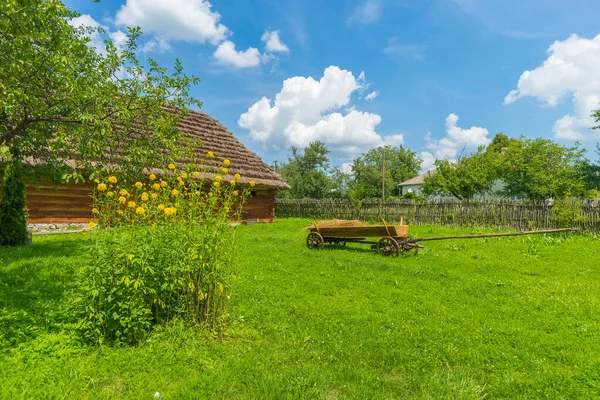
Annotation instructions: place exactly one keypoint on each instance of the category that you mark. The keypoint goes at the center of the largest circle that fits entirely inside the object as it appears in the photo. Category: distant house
(415, 185)
(72, 203)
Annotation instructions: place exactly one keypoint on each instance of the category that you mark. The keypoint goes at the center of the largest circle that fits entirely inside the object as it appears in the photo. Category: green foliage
(400, 164)
(497, 319)
(307, 172)
(539, 169)
(168, 254)
(471, 175)
(13, 213)
(62, 101)
(567, 212)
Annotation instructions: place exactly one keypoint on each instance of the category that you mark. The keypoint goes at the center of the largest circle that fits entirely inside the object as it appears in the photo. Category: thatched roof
(418, 180)
(221, 141)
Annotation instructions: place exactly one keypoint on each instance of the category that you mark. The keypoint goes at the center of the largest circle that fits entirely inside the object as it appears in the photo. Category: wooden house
(72, 203)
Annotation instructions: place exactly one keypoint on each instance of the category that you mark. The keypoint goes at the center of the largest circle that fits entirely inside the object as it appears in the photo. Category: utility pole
(382, 178)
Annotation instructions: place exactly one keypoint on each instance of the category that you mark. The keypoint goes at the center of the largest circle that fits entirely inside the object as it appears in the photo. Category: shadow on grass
(34, 281)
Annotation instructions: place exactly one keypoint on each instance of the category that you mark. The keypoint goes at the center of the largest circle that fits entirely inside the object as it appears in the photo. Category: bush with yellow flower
(165, 251)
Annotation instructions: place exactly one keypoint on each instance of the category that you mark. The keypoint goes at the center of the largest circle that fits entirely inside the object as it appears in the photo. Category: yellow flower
(184, 175)
(170, 211)
(224, 170)
(144, 196)
(171, 166)
(152, 177)
(237, 177)
(140, 210)
(196, 174)
(92, 224)
(122, 200)
(138, 185)
(209, 194)
(123, 192)
(251, 183)
(226, 162)
(154, 195)
(218, 178)
(95, 210)
(112, 179)
(210, 154)
(97, 180)
(161, 207)
(156, 186)
(216, 183)
(110, 194)
(163, 184)
(235, 192)
(175, 192)
(232, 182)
(102, 187)
(131, 204)
(180, 180)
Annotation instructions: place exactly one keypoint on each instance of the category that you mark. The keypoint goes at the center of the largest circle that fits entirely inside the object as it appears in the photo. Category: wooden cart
(393, 238)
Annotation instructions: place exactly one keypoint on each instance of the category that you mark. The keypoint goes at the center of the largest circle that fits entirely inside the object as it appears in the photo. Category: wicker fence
(520, 215)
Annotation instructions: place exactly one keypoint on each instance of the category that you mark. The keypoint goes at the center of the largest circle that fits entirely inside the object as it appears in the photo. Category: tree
(400, 164)
(13, 218)
(469, 176)
(306, 172)
(67, 108)
(539, 169)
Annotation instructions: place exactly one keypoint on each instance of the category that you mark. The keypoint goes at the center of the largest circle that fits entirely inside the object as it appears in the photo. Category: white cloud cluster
(273, 43)
(193, 21)
(372, 95)
(186, 20)
(97, 38)
(227, 54)
(571, 70)
(306, 110)
(453, 143)
(366, 13)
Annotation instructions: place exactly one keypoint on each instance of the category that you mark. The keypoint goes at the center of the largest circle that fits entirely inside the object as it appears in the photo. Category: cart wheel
(314, 241)
(388, 246)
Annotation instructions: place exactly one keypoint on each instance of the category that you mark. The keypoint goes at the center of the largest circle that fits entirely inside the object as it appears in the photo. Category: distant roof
(418, 180)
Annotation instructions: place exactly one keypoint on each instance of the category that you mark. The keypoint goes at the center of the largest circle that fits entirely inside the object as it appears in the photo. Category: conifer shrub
(13, 212)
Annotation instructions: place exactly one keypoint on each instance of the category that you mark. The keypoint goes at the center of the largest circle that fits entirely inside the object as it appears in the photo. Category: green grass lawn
(465, 319)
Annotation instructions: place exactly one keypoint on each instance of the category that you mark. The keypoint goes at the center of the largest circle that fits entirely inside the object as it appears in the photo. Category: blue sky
(438, 76)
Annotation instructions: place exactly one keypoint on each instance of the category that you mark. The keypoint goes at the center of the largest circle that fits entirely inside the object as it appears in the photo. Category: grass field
(465, 319)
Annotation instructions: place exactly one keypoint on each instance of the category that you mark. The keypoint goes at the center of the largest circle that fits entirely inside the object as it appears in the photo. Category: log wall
(59, 204)
(73, 204)
(260, 207)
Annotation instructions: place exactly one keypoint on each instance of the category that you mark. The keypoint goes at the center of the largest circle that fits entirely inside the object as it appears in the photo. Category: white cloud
(158, 43)
(226, 54)
(85, 21)
(428, 160)
(366, 13)
(405, 51)
(186, 20)
(571, 70)
(455, 141)
(99, 33)
(347, 168)
(119, 38)
(306, 110)
(273, 43)
(372, 95)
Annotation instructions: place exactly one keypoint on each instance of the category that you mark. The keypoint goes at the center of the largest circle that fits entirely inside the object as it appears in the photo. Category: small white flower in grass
(158, 395)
